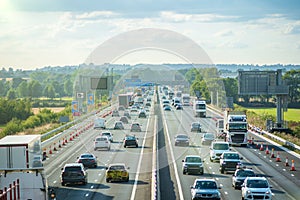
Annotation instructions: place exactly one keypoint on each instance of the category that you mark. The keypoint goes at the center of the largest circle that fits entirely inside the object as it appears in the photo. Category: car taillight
(79, 161)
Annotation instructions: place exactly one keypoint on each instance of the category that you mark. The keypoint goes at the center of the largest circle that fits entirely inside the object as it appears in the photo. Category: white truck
(99, 123)
(21, 159)
(236, 127)
(124, 100)
(186, 99)
(199, 108)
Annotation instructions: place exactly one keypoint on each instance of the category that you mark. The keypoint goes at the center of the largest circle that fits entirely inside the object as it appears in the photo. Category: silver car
(192, 164)
(205, 189)
(182, 140)
(207, 138)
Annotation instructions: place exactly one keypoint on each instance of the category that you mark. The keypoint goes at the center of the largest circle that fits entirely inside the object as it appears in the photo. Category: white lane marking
(86, 195)
(139, 164)
(226, 193)
(99, 174)
(173, 159)
(270, 160)
(221, 185)
(209, 166)
(292, 175)
(277, 165)
(284, 169)
(213, 172)
(92, 185)
(54, 182)
(217, 179)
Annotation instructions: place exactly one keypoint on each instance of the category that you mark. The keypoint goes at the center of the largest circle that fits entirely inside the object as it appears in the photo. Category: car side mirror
(106, 168)
(62, 168)
(241, 158)
(192, 187)
(77, 157)
(270, 186)
(182, 160)
(219, 187)
(128, 167)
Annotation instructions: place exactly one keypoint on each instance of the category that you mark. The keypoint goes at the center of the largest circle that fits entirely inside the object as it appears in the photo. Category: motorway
(171, 182)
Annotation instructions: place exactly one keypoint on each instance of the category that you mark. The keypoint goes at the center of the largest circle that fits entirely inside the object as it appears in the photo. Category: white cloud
(179, 17)
(224, 33)
(96, 14)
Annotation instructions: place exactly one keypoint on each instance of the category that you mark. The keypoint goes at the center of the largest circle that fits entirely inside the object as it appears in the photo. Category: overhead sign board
(99, 83)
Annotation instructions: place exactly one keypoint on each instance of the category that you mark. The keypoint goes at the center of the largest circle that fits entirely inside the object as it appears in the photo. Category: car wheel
(127, 179)
(95, 149)
(184, 172)
(211, 160)
(124, 146)
(136, 146)
(107, 180)
(201, 173)
(63, 183)
(84, 182)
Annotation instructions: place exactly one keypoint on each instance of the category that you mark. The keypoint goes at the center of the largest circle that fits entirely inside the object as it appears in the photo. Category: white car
(205, 189)
(256, 188)
(109, 135)
(217, 148)
(101, 142)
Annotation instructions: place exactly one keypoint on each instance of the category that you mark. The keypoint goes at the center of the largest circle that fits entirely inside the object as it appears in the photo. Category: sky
(35, 33)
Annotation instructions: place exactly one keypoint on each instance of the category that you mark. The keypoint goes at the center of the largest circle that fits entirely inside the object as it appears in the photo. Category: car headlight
(224, 163)
(268, 192)
(248, 192)
(215, 195)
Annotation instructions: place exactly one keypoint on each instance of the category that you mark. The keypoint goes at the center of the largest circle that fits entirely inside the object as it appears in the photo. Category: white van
(99, 123)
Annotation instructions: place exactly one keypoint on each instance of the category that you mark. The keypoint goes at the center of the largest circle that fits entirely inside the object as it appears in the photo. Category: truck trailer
(199, 108)
(21, 159)
(236, 127)
(124, 100)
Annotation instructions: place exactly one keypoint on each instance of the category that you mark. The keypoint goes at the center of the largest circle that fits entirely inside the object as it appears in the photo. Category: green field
(291, 115)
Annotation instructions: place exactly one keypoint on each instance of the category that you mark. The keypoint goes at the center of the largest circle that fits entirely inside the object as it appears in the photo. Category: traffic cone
(287, 162)
(50, 151)
(59, 145)
(272, 153)
(267, 150)
(278, 157)
(261, 147)
(293, 166)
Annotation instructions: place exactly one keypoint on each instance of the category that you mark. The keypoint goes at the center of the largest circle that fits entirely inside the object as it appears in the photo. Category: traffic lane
(86, 147)
(279, 177)
(211, 169)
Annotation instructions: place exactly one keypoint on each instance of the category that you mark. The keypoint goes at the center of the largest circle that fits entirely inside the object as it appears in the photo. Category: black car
(179, 107)
(130, 140)
(88, 160)
(73, 173)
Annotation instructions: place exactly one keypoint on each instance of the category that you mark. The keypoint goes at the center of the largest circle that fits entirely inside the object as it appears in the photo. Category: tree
(34, 89)
(22, 89)
(231, 88)
(292, 78)
(11, 94)
(49, 91)
(68, 87)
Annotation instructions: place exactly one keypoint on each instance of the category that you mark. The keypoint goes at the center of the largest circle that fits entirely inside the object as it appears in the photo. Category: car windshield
(130, 138)
(86, 156)
(209, 136)
(206, 185)
(242, 173)
(257, 184)
(117, 167)
(221, 146)
(108, 134)
(193, 159)
(231, 156)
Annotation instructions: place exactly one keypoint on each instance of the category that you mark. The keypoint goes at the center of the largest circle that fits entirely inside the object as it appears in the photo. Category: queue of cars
(251, 185)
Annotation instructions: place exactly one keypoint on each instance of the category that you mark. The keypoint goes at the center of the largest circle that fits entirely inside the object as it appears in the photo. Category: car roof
(192, 156)
(256, 178)
(117, 164)
(73, 165)
(102, 136)
(205, 179)
(230, 152)
(220, 142)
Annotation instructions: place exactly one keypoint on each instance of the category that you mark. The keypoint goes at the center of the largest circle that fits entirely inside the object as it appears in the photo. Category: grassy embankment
(259, 116)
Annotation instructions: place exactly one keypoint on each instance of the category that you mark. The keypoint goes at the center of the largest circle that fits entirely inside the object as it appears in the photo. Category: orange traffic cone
(287, 162)
(267, 150)
(293, 166)
(278, 157)
(261, 147)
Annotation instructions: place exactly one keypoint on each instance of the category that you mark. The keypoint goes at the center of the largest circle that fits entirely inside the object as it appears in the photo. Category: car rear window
(72, 169)
(101, 139)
